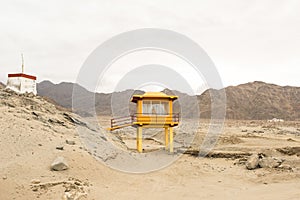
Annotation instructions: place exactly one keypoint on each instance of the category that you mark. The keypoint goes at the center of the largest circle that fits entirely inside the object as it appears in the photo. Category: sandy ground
(28, 146)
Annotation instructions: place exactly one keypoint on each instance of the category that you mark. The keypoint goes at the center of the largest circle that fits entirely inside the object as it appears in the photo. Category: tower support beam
(139, 139)
(171, 140)
(166, 138)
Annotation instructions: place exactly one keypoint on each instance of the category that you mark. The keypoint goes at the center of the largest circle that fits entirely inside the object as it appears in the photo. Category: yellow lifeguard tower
(153, 110)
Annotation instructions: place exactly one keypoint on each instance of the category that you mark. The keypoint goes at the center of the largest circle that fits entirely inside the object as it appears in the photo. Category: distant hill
(62, 94)
(255, 100)
(259, 100)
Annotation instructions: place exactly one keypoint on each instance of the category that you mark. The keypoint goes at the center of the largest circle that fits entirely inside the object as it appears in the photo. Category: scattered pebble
(70, 142)
(60, 148)
(291, 140)
(285, 167)
(35, 181)
(59, 164)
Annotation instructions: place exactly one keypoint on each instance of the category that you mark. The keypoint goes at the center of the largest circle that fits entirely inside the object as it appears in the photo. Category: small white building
(21, 83)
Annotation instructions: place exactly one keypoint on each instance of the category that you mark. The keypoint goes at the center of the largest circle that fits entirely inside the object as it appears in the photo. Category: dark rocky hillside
(253, 101)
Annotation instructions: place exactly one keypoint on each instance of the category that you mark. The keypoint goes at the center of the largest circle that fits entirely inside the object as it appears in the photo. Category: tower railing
(152, 118)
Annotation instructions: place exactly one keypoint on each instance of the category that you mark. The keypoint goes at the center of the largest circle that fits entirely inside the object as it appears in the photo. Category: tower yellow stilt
(166, 138)
(139, 139)
(171, 140)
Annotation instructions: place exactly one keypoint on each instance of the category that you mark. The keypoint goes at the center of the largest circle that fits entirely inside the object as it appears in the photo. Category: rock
(35, 181)
(68, 196)
(4, 177)
(70, 142)
(269, 153)
(244, 130)
(260, 131)
(74, 120)
(240, 161)
(35, 114)
(30, 95)
(291, 140)
(289, 150)
(269, 162)
(60, 148)
(59, 164)
(285, 167)
(252, 162)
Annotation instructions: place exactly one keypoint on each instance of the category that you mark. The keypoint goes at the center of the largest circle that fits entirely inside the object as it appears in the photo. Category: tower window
(155, 107)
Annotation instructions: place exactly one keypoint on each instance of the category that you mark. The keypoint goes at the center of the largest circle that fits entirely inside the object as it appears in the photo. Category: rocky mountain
(252, 101)
(62, 94)
(259, 100)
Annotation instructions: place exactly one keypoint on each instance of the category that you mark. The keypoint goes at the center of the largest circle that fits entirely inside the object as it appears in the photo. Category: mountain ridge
(250, 101)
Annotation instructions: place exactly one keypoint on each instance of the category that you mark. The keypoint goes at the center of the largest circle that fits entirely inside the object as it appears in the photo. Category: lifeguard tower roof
(153, 95)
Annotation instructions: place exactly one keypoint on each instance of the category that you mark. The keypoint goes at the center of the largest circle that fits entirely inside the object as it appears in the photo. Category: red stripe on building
(22, 75)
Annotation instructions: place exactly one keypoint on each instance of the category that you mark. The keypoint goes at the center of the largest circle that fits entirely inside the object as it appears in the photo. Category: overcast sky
(247, 40)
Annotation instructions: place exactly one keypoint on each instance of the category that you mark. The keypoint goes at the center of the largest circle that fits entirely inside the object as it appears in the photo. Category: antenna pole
(22, 63)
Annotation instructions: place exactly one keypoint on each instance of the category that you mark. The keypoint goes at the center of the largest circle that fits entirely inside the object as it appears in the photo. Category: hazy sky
(247, 40)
